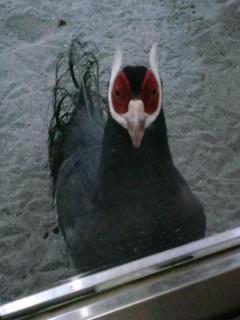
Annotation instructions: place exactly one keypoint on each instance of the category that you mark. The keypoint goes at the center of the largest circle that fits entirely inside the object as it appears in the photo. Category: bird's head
(135, 95)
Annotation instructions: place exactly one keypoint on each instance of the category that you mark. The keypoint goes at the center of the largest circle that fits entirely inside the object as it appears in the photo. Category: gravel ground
(199, 50)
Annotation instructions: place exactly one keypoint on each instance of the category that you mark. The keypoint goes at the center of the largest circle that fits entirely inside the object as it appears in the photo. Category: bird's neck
(119, 157)
(124, 167)
(117, 142)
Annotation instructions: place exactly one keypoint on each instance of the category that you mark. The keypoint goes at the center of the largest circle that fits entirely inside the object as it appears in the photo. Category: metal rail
(78, 288)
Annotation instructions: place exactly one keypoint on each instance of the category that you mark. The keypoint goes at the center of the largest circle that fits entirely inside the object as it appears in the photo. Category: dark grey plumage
(115, 203)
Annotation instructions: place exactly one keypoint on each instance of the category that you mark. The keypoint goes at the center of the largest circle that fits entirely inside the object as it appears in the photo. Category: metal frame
(120, 292)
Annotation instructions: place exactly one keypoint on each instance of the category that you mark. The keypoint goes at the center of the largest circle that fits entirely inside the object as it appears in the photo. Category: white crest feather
(116, 64)
(153, 61)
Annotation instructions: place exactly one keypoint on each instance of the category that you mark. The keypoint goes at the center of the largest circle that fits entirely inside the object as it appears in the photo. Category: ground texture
(199, 50)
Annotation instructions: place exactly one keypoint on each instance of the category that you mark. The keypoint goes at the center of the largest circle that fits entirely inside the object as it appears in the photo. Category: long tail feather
(76, 86)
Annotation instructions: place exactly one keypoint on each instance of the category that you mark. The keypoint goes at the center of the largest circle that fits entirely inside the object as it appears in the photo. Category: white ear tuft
(116, 64)
(153, 61)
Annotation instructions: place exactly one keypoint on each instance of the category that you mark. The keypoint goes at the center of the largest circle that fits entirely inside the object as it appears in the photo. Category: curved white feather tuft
(116, 64)
(153, 61)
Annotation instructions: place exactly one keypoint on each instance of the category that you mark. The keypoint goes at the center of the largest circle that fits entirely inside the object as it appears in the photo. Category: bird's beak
(135, 119)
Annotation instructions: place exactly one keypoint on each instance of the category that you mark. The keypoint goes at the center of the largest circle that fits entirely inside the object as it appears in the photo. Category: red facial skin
(122, 93)
(150, 93)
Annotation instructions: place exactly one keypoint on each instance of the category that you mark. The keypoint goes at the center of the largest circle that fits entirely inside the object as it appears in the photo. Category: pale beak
(135, 119)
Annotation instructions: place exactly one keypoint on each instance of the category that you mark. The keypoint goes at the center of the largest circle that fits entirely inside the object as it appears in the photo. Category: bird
(119, 196)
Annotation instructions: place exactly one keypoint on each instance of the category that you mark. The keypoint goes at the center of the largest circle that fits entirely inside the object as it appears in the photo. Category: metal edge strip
(205, 290)
(80, 287)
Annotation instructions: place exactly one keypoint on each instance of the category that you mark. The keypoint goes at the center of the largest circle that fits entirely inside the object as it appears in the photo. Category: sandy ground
(199, 45)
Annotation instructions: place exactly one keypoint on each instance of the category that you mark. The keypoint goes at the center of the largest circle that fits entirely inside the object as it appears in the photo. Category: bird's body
(117, 203)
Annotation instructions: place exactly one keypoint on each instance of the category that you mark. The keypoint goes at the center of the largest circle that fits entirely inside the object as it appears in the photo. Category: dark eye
(117, 93)
(154, 92)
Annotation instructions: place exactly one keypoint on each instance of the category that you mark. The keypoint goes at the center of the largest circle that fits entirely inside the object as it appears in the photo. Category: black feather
(76, 88)
(135, 75)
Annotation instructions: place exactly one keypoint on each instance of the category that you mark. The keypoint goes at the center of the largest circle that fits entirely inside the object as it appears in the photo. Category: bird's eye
(154, 92)
(117, 93)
